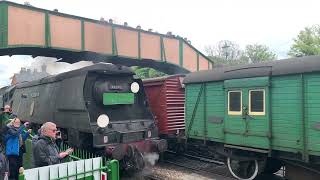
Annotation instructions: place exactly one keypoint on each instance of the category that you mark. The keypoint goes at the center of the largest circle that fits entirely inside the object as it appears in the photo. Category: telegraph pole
(225, 49)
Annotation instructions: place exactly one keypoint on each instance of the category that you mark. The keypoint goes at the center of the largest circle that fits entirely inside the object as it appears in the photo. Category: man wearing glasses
(45, 151)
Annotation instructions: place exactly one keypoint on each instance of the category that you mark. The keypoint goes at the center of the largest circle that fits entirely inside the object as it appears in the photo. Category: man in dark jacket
(4, 166)
(45, 151)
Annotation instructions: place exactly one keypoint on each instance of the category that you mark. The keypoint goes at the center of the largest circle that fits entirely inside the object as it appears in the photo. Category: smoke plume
(45, 66)
(151, 158)
(54, 67)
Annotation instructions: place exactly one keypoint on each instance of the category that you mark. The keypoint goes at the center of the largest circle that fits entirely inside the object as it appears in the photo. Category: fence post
(21, 176)
(113, 166)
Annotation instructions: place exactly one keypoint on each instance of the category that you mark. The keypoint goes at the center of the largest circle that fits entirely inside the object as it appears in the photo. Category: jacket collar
(47, 139)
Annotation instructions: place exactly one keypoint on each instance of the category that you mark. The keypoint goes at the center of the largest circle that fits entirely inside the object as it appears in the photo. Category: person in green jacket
(4, 119)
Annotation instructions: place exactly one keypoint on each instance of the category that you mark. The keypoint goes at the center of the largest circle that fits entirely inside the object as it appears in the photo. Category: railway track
(153, 177)
(209, 166)
(196, 163)
(175, 166)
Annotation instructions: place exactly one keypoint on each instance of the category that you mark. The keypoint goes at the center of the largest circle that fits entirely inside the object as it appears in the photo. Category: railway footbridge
(27, 30)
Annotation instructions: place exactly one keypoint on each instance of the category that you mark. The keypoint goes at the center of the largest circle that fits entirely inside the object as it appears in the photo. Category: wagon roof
(274, 68)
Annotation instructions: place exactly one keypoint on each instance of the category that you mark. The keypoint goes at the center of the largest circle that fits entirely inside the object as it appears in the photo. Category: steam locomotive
(101, 108)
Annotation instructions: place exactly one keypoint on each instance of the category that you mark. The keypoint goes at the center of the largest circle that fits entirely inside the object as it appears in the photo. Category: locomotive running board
(247, 148)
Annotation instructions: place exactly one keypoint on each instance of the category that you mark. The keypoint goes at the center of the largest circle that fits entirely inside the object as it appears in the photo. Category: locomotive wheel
(130, 151)
(243, 170)
(138, 159)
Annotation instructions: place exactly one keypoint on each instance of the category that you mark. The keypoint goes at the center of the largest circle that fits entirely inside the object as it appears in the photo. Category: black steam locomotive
(100, 108)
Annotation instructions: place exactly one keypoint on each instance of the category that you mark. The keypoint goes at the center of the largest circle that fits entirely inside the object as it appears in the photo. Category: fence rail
(80, 165)
(86, 169)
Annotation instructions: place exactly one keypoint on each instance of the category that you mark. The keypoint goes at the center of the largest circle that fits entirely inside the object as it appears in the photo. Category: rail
(81, 164)
(85, 169)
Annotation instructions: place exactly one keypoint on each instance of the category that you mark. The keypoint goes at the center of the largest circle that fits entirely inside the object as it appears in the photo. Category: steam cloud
(54, 67)
(151, 158)
(44, 66)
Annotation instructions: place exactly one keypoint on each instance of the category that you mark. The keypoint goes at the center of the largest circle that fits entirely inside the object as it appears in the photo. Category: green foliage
(144, 72)
(259, 53)
(307, 43)
(155, 73)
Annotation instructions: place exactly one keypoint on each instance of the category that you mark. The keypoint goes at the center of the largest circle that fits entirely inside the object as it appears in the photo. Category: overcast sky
(205, 22)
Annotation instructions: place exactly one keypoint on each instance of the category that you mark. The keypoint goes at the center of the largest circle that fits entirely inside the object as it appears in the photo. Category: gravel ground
(171, 172)
(178, 173)
(163, 171)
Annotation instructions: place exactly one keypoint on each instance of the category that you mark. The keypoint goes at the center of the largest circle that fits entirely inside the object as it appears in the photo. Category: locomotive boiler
(101, 108)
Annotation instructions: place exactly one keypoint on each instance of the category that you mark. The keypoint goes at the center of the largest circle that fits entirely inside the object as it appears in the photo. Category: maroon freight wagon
(166, 99)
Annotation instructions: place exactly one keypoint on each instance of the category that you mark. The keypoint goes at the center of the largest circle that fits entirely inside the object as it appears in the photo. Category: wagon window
(257, 102)
(234, 102)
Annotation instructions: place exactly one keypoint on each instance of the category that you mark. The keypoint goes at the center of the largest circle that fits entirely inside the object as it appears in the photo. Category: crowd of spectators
(12, 145)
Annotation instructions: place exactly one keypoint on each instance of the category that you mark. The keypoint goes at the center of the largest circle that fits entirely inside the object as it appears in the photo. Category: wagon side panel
(215, 110)
(286, 113)
(194, 111)
(312, 112)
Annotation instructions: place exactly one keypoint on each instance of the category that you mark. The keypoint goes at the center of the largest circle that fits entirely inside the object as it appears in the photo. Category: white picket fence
(82, 169)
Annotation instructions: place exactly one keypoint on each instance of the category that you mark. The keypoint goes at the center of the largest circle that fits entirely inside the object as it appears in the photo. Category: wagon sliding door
(247, 115)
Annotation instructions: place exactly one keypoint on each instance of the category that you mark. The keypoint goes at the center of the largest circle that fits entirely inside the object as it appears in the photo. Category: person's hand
(63, 154)
(29, 131)
(26, 124)
(69, 151)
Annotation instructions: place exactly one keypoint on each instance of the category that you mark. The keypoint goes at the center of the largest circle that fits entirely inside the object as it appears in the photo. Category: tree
(224, 49)
(259, 53)
(225, 53)
(145, 72)
(307, 43)
(228, 49)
